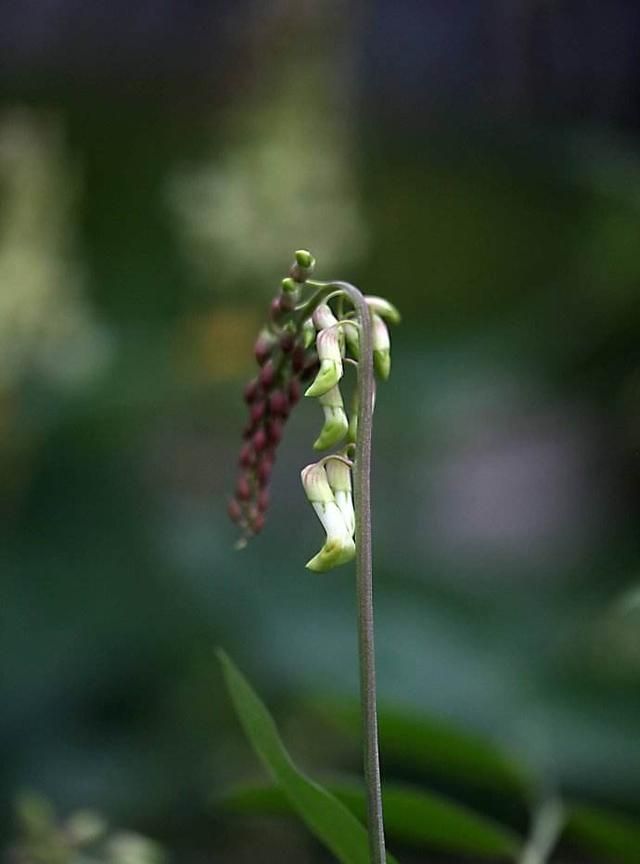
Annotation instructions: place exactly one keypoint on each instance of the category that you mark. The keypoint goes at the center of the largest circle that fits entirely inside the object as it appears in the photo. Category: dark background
(477, 163)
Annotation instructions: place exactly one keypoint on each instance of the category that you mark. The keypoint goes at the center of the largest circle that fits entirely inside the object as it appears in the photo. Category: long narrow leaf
(326, 817)
(413, 816)
(438, 747)
(610, 834)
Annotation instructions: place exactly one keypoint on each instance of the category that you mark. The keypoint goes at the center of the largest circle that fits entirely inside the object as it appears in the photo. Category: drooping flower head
(311, 337)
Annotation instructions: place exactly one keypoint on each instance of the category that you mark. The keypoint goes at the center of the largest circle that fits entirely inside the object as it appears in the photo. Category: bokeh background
(476, 162)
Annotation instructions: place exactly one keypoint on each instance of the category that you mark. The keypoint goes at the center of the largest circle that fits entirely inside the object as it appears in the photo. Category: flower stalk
(308, 342)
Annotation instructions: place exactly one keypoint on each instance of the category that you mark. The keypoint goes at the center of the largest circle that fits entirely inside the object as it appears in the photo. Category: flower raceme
(308, 341)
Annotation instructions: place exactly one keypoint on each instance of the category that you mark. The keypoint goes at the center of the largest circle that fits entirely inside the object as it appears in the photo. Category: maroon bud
(274, 431)
(287, 341)
(259, 440)
(257, 411)
(275, 310)
(287, 301)
(298, 358)
(263, 500)
(247, 456)
(264, 347)
(294, 391)
(267, 375)
(257, 523)
(248, 431)
(234, 510)
(243, 489)
(263, 471)
(251, 391)
(279, 404)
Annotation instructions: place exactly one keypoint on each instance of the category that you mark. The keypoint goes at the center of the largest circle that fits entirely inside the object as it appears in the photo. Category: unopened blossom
(338, 547)
(383, 308)
(323, 317)
(381, 348)
(336, 423)
(339, 477)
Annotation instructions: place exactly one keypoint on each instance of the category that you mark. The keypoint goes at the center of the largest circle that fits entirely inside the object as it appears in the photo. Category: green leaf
(412, 816)
(612, 835)
(438, 747)
(326, 817)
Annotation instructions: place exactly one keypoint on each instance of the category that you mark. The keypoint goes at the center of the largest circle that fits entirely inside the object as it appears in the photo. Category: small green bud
(288, 284)
(305, 259)
(302, 267)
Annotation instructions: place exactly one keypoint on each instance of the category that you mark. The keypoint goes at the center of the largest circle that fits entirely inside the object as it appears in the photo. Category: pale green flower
(339, 477)
(336, 423)
(330, 356)
(338, 547)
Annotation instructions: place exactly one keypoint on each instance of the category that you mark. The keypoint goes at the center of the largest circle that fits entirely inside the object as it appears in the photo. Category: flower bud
(323, 317)
(259, 440)
(287, 341)
(243, 489)
(263, 471)
(279, 404)
(251, 391)
(298, 357)
(383, 308)
(264, 346)
(247, 456)
(339, 477)
(335, 420)
(267, 375)
(274, 431)
(381, 348)
(257, 411)
(294, 391)
(303, 266)
(339, 546)
(330, 372)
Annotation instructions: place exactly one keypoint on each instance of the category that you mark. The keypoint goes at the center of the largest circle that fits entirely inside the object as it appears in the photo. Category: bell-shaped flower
(383, 308)
(330, 357)
(336, 423)
(339, 546)
(381, 348)
(339, 477)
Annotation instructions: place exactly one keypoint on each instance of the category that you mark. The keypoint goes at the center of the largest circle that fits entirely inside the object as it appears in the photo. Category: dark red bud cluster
(284, 363)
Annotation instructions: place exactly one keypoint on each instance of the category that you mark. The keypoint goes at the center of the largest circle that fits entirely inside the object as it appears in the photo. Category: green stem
(364, 576)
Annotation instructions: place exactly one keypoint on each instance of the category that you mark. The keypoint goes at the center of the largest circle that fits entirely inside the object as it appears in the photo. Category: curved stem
(364, 576)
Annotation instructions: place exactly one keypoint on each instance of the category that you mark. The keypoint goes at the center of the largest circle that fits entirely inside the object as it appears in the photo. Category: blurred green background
(476, 163)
